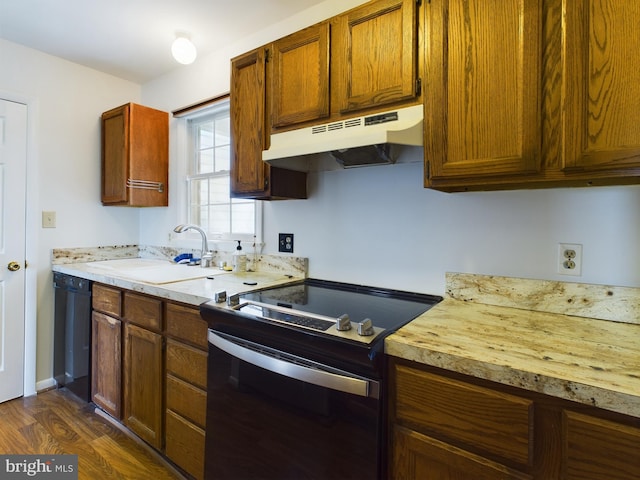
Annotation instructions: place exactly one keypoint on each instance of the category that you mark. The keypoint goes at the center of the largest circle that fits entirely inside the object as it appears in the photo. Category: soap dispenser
(239, 259)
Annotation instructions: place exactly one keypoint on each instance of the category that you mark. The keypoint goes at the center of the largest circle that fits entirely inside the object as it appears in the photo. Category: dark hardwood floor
(57, 422)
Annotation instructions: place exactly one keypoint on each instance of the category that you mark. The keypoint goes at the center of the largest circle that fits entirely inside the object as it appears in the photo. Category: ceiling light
(183, 50)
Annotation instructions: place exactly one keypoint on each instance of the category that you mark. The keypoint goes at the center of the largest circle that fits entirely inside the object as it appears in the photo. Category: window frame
(187, 166)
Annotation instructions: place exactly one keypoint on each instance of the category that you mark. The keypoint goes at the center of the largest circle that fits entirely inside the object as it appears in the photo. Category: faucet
(206, 256)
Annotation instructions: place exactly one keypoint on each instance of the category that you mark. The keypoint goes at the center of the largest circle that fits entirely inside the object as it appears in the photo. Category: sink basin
(153, 271)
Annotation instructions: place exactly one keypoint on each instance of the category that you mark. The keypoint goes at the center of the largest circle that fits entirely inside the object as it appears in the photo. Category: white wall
(65, 103)
(379, 226)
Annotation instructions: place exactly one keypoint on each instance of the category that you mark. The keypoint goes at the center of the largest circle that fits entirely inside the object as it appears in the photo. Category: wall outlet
(285, 242)
(570, 259)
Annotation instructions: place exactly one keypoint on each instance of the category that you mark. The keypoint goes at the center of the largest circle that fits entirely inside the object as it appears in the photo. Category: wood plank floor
(57, 422)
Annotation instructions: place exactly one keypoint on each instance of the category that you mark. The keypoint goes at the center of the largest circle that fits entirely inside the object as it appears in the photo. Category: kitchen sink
(153, 271)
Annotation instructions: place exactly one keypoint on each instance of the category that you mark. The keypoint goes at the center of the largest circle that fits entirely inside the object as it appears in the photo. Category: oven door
(271, 415)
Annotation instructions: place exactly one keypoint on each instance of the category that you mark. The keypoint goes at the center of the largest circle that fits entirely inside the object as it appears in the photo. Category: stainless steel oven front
(274, 415)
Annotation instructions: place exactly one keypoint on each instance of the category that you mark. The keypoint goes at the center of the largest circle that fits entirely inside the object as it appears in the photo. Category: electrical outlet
(285, 242)
(570, 259)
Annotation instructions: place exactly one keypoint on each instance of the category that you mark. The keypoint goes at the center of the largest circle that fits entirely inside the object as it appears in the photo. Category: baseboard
(45, 385)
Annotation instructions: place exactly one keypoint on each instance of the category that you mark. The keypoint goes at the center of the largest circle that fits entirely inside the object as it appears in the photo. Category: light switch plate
(48, 219)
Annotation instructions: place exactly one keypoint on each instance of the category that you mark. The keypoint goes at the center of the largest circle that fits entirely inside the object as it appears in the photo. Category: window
(208, 178)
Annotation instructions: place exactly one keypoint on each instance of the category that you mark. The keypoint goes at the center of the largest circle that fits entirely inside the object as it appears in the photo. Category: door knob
(13, 266)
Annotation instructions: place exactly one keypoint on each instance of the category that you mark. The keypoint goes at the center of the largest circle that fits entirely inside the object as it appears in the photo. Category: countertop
(122, 273)
(477, 330)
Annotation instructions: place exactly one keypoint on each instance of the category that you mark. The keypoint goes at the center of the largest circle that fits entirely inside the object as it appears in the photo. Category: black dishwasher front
(72, 334)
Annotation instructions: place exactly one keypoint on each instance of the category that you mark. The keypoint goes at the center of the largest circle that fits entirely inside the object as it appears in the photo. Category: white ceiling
(132, 38)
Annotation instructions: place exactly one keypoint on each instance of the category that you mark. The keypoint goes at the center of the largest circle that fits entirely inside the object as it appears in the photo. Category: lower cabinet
(149, 360)
(186, 388)
(106, 363)
(143, 386)
(453, 427)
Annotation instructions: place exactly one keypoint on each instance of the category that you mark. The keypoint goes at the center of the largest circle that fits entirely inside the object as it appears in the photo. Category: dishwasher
(72, 334)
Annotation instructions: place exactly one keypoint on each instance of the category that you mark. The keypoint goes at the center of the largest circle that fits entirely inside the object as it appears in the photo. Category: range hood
(355, 142)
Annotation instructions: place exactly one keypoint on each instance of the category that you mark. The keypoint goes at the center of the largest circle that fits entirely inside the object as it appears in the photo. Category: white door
(13, 171)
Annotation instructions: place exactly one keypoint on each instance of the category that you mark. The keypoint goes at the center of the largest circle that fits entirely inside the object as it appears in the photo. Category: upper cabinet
(250, 176)
(135, 156)
(375, 55)
(531, 94)
(300, 76)
(601, 86)
(482, 104)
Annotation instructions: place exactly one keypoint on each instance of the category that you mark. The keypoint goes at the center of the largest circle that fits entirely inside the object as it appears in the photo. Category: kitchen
(390, 231)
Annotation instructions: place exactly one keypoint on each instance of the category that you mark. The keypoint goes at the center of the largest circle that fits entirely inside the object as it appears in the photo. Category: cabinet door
(143, 383)
(300, 77)
(376, 54)
(602, 85)
(106, 363)
(115, 148)
(417, 457)
(597, 449)
(249, 174)
(482, 94)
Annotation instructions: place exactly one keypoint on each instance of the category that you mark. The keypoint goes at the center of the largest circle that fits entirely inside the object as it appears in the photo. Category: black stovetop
(387, 309)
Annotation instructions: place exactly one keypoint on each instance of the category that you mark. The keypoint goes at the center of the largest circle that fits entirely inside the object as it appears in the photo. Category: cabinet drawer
(106, 299)
(464, 414)
(186, 324)
(187, 363)
(187, 400)
(595, 448)
(143, 311)
(185, 444)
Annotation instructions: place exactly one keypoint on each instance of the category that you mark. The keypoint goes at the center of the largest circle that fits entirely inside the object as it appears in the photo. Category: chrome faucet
(206, 256)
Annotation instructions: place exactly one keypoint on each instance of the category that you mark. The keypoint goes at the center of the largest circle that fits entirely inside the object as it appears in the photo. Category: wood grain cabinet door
(300, 77)
(143, 383)
(248, 125)
(375, 54)
(601, 85)
(106, 363)
(482, 89)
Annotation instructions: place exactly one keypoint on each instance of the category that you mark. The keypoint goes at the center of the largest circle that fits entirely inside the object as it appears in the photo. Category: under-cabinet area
(451, 426)
(149, 371)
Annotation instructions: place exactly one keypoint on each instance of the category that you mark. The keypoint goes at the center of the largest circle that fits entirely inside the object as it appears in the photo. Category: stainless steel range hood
(360, 141)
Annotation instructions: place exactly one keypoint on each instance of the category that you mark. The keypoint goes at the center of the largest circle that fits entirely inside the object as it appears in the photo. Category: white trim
(31, 244)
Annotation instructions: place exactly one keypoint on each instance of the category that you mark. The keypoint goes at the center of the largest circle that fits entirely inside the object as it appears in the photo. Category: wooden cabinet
(186, 388)
(597, 449)
(300, 77)
(449, 426)
(482, 104)
(531, 94)
(250, 176)
(150, 370)
(452, 429)
(106, 349)
(143, 368)
(601, 86)
(366, 58)
(106, 363)
(375, 55)
(135, 156)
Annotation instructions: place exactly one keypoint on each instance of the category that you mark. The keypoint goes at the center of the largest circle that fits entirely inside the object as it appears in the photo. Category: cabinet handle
(145, 185)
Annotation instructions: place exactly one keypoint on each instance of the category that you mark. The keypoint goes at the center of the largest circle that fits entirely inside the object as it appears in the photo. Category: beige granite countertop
(594, 361)
(119, 269)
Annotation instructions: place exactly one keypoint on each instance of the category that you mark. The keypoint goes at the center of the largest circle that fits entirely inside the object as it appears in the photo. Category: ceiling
(132, 39)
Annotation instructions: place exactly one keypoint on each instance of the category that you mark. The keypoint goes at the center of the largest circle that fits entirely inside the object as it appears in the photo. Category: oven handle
(322, 378)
